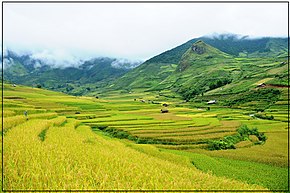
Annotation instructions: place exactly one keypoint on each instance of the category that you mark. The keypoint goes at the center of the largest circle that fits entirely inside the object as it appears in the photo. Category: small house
(164, 111)
(261, 85)
(211, 102)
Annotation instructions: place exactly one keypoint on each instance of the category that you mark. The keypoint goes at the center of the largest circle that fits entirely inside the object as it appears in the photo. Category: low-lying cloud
(125, 63)
(57, 58)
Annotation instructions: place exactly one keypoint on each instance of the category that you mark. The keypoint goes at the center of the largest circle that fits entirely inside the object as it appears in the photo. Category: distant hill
(231, 44)
(217, 65)
(201, 68)
(223, 64)
(78, 80)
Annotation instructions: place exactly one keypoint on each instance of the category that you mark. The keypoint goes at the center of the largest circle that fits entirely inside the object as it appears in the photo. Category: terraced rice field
(62, 145)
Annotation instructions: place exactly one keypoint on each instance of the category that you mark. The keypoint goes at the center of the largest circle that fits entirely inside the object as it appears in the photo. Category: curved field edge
(73, 157)
(274, 178)
(41, 103)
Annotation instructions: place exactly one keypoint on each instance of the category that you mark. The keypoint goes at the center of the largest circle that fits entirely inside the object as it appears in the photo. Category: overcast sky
(135, 31)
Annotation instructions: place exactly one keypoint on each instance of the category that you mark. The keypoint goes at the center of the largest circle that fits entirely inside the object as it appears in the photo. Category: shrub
(122, 135)
(261, 116)
(221, 144)
(102, 127)
(267, 95)
(219, 83)
(233, 139)
(244, 132)
(262, 137)
(188, 93)
(228, 142)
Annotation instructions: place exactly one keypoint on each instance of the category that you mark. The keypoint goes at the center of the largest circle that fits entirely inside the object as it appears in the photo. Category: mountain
(224, 64)
(144, 76)
(77, 80)
(198, 70)
(206, 65)
(231, 44)
(200, 52)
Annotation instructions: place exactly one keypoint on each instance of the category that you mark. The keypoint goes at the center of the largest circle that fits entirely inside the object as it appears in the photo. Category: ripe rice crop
(72, 158)
(57, 149)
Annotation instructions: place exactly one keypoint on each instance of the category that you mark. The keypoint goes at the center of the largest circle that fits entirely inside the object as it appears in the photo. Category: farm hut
(14, 85)
(164, 111)
(211, 102)
(261, 85)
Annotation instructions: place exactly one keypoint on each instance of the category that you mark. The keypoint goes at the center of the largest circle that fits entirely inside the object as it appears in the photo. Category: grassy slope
(263, 47)
(64, 136)
(49, 149)
(213, 74)
(254, 173)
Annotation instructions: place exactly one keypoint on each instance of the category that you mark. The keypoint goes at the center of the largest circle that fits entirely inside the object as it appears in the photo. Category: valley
(111, 142)
(206, 118)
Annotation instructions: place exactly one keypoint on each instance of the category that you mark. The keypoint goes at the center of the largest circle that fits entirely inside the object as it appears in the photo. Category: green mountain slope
(201, 68)
(78, 80)
(204, 70)
(200, 54)
(145, 76)
(230, 44)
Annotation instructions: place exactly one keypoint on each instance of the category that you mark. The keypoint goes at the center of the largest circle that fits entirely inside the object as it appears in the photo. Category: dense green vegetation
(267, 96)
(243, 134)
(230, 59)
(207, 115)
(211, 72)
(84, 130)
(75, 80)
(231, 44)
(248, 171)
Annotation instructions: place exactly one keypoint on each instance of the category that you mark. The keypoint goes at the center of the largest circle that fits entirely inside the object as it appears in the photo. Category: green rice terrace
(210, 115)
(145, 140)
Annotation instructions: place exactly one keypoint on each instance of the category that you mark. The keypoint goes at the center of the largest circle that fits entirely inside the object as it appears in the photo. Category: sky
(135, 31)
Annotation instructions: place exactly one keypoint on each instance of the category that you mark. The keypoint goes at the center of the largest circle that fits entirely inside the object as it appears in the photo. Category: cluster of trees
(243, 134)
(188, 93)
(219, 83)
(120, 134)
(267, 95)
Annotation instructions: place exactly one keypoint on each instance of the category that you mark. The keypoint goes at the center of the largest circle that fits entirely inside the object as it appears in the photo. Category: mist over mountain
(60, 60)
(63, 75)
(207, 63)
(199, 63)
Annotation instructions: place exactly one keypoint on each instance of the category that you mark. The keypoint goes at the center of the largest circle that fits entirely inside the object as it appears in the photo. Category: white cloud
(67, 31)
(7, 62)
(125, 63)
(56, 58)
